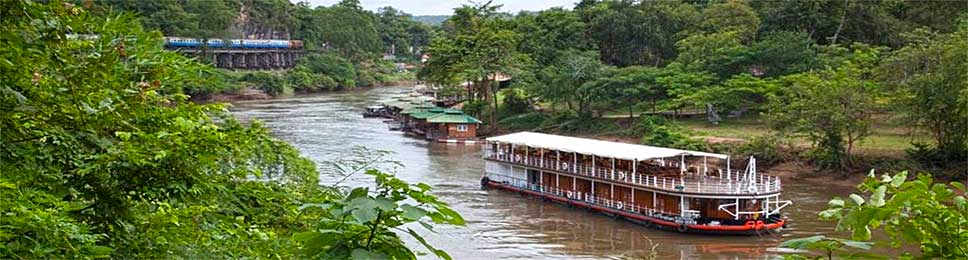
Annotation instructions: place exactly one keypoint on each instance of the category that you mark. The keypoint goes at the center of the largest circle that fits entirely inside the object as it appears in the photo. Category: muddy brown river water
(500, 224)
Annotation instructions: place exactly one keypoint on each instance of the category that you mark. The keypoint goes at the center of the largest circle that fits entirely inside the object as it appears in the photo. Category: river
(502, 224)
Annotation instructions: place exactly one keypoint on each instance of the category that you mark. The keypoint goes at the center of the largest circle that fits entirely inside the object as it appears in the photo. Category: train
(182, 42)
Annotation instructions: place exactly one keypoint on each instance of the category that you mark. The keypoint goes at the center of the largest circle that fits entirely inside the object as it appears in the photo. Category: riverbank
(249, 93)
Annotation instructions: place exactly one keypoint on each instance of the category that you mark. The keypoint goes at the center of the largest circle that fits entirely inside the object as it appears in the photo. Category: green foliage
(364, 224)
(832, 107)
(722, 53)
(515, 102)
(657, 131)
(476, 48)
(929, 81)
(738, 92)
(200, 19)
(638, 33)
(52, 231)
(402, 34)
(551, 33)
(783, 53)
(474, 107)
(566, 81)
(272, 83)
(932, 216)
(347, 28)
(830, 246)
(625, 87)
(103, 156)
(731, 16)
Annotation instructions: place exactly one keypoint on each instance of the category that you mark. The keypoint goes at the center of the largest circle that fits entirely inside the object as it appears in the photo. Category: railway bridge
(247, 59)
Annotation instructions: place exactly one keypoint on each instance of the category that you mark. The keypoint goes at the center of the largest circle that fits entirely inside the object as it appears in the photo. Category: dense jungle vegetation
(104, 156)
(819, 78)
(344, 42)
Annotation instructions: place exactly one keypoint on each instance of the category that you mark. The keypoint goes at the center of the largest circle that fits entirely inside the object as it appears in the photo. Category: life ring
(682, 228)
(619, 205)
(517, 157)
(570, 194)
(621, 176)
(564, 166)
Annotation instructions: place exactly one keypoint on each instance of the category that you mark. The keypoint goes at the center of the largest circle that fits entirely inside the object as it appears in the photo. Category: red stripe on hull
(661, 224)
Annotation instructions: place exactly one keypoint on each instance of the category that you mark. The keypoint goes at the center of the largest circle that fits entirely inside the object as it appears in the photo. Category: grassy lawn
(887, 137)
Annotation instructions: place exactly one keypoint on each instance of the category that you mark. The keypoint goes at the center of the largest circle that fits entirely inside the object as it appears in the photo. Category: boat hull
(749, 229)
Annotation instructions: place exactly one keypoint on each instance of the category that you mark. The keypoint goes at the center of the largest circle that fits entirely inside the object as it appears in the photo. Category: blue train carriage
(182, 42)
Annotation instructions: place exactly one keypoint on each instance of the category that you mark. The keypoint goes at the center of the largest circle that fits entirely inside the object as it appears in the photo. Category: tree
(476, 48)
(929, 79)
(213, 18)
(722, 53)
(831, 107)
(626, 87)
(739, 92)
(567, 81)
(401, 34)
(733, 15)
(637, 33)
(783, 53)
(551, 33)
(348, 29)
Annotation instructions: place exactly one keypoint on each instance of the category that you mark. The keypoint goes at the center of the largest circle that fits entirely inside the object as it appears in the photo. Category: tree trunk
(843, 19)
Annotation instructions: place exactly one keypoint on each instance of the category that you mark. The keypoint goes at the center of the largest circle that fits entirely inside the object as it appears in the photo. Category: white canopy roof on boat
(615, 150)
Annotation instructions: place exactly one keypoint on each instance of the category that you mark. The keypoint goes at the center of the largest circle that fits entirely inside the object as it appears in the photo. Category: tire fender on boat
(682, 228)
(759, 225)
(484, 181)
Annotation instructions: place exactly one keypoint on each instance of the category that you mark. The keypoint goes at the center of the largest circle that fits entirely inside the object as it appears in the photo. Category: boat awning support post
(727, 167)
(574, 157)
(593, 165)
(613, 168)
(705, 169)
(557, 160)
(682, 164)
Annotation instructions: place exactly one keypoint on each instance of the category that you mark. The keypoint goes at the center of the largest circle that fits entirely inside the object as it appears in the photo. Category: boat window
(462, 128)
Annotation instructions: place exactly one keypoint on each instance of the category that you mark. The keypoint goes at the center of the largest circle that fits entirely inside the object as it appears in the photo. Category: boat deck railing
(688, 217)
(727, 183)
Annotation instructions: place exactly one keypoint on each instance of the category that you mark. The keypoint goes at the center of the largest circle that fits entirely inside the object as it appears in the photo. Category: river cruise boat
(670, 189)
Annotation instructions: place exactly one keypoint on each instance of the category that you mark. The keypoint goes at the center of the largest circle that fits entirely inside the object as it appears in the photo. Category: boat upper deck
(655, 168)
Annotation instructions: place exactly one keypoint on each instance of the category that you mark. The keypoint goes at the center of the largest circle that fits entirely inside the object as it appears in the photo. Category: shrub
(768, 150)
(515, 102)
(272, 84)
(658, 131)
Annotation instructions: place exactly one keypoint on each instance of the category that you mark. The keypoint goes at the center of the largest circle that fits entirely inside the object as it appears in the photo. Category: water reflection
(501, 224)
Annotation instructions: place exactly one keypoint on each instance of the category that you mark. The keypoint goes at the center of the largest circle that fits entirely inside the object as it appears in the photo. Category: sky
(446, 7)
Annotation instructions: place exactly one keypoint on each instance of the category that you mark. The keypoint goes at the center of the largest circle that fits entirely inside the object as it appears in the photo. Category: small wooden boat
(376, 111)
(670, 189)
